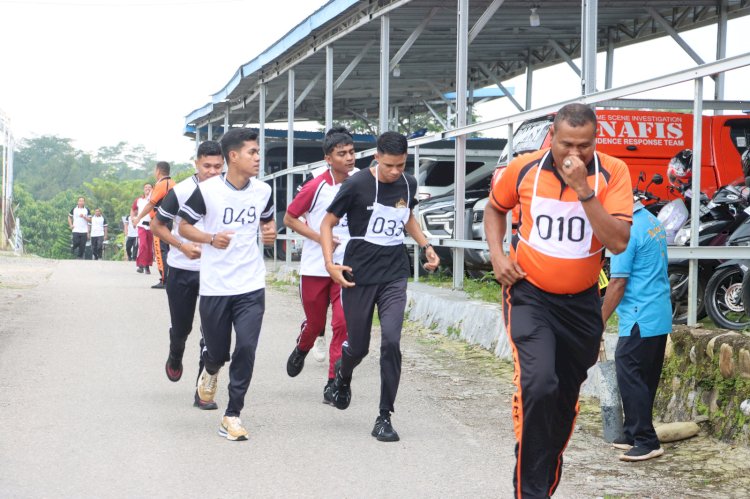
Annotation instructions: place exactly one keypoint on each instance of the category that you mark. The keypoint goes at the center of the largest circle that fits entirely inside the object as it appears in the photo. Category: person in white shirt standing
(131, 241)
(98, 225)
(233, 207)
(78, 220)
(183, 261)
(317, 289)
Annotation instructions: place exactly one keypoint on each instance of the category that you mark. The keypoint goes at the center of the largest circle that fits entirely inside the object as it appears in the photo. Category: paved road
(86, 411)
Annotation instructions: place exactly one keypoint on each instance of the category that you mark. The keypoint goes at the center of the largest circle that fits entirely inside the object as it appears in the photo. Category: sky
(104, 71)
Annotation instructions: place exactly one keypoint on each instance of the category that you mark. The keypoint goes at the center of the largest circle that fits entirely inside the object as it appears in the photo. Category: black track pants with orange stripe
(555, 339)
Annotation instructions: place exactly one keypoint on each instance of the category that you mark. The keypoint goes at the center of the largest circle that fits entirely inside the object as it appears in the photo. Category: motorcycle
(719, 218)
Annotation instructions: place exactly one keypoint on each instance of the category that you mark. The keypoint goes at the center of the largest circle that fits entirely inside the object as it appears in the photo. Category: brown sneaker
(231, 428)
(641, 454)
(207, 386)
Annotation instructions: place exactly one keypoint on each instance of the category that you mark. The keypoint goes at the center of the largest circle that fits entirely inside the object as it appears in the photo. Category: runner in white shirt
(234, 207)
(183, 261)
(98, 225)
(78, 220)
(317, 289)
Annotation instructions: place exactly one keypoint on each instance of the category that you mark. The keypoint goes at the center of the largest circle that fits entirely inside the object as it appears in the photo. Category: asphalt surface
(87, 411)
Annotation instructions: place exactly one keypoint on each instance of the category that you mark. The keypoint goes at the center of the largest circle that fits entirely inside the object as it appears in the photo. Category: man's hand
(337, 274)
(134, 222)
(433, 261)
(222, 239)
(191, 250)
(507, 272)
(268, 233)
(573, 171)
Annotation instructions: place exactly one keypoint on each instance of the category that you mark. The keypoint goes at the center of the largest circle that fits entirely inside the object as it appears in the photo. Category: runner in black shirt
(378, 205)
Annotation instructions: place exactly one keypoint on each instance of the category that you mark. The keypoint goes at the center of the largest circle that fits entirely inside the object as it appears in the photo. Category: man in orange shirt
(164, 184)
(575, 202)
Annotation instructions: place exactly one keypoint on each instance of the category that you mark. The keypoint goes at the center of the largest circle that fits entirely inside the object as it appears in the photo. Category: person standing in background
(639, 288)
(145, 239)
(164, 184)
(131, 238)
(98, 226)
(78, 221)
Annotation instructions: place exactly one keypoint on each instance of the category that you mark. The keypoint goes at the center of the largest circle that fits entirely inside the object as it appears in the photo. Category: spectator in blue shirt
(639, 288)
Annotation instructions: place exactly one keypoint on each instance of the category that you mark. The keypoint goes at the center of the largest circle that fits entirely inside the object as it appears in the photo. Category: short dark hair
(336, 136)
(163, 167)
(575, 115)
(235, 138)
(392, 143)
(208, 148)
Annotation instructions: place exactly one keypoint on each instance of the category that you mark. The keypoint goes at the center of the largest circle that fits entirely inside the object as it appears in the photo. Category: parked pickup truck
(645, 140)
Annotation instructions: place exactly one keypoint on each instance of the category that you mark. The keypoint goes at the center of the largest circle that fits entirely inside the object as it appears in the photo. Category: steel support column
(262, 128)
(226, 120)
(695, 201)
(529, 81)
(610, 63)
(588, 45)
(210, 131)
(289, 153)
(459, 215)
(721, 49)
(329, 88)
(385, 30)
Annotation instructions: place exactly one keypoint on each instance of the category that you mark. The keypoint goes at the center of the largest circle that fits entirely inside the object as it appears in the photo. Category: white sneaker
(320, 349)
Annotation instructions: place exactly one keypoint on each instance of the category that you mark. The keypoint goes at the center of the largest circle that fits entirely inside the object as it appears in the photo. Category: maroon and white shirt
(312, 202)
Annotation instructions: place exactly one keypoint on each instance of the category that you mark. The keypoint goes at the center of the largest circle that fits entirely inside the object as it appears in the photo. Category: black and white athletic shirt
(373, 263)
(168, 213)
(239, 268)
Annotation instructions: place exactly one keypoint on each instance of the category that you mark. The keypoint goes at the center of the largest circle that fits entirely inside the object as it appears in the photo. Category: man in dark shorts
(377, 203)
(574, 203)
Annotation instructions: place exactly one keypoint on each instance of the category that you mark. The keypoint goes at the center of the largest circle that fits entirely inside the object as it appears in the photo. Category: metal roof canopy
(422, 42)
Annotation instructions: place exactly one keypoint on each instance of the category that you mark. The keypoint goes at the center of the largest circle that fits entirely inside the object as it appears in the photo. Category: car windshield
(529, 137)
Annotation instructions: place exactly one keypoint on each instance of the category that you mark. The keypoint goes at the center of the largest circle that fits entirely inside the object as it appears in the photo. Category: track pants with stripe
(359, 305)
(161, 250)
(555, 340)
(317, 292)
(182, 294)
(218, 315)
(638, 363)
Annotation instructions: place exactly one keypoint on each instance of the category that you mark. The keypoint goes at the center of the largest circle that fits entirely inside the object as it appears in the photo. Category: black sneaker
(641, 454)
(204, 406)
(173, 367)
(622, 443)
(139, 270)
(296, 362)
(341, 392)
(159, 285)
(147, 270)
(327, 393)
(384, 431)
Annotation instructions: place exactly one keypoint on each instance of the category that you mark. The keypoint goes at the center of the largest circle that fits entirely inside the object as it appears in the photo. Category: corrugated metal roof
(501, 50)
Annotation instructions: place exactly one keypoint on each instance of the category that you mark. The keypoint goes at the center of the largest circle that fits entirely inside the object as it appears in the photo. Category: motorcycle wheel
(746, 292)
(724, 299)
(678, 290)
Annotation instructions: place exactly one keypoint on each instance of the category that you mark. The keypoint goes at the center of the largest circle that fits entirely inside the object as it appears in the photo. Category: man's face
(390, 166)
(246, 160)
(568, 140)
(147, 190)
(208, 166)
(81, 202)
(341, 159)
(98, 212)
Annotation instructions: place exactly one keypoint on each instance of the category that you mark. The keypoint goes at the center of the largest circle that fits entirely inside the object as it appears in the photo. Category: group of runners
(574, 201)
(353, 259)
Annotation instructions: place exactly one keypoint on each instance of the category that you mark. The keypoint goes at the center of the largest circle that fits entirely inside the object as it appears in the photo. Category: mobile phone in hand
(348, 276)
